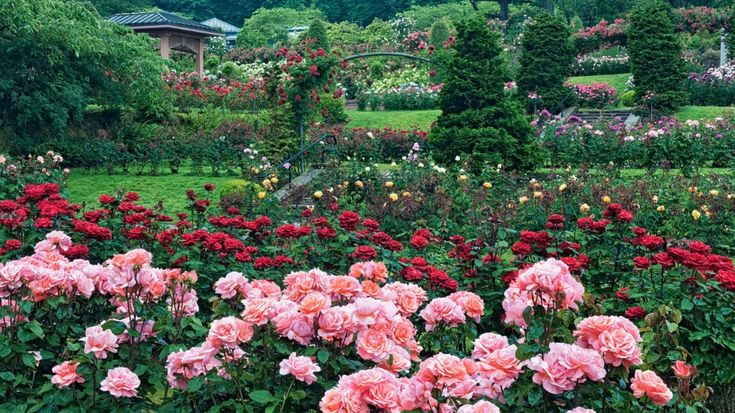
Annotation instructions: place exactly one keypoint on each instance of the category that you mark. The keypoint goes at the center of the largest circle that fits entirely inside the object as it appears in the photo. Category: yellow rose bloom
(584, 208)
(523, 199)
(389, 184)
(393, 197)
(318, 194)
(463, 177)
(661, 208)
(274, 180)
(406, 194)
(538, 194)
(358, 184)
(696, 215)
(562, 187)
(261, 194)
(487, 185)
(714, 192)
(606, 199)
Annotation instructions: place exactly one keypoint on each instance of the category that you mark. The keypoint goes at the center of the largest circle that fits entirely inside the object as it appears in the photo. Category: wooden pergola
(174, 32)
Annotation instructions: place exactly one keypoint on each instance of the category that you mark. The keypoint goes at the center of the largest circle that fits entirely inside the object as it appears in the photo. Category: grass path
(404, 119)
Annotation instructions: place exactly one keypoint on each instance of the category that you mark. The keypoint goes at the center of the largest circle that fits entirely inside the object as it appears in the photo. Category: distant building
(296, 31)
(174, 32)
(230, 31)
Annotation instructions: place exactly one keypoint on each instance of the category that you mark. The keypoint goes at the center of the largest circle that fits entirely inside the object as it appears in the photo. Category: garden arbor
(174, 32)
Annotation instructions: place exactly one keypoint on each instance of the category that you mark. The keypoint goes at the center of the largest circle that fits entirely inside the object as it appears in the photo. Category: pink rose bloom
(340, 287)
(182, 366)
(264, 288)
(384, 396)
(647, 383)
(298, 284)
(444, 370)
(313, 303)
(99, 341)
(616, 338)
(303, 368)
(500, 367)
(488, 343)
(65, 374)
(682, 370)
(479, 407)
(373, 344)
(229, 332)
(566, 365)
(581, 410)
(121, 382)
(442, 309)
(548, 284)
(369, 270)
(151, 282)
(369, 311)
(407, 297)
(258, 310)
(336, 324)
(398, 360)
(231, 284)
(471, 304)
(55, 241)
(339, 400)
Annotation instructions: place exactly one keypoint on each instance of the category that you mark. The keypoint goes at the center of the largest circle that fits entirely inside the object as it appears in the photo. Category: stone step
(299, 181)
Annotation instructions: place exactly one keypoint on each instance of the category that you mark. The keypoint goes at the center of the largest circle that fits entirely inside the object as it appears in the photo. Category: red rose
(411, 274)
(209, 187)
(349, 220)
(419, 242)
(635, 313)
(642, 263)
(364, 253)
(521, 248)
(106, 199)
(13, 244)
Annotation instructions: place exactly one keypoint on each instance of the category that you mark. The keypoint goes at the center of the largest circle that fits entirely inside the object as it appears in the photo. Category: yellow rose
(261, 194)
(406, 194)
(661, 208)
(358, 184)
(346, 184)
(696, 215)
(538, 194)
(584, 208)
(389, 184)
(655, 199)
(730, 196)
(714, 192)
(266, 182)
(318, 194)
(487, 185)
(562, 187)
(523, 199)
(692, 189)
(393, 197)
(606, 199)
(274, 180)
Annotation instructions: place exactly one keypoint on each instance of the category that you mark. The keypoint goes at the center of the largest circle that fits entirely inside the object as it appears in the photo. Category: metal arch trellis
(388, 54)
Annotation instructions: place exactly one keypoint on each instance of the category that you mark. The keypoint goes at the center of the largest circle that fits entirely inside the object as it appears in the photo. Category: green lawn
(87, 187)
(617, 81)
(404, 119)
(703, 112)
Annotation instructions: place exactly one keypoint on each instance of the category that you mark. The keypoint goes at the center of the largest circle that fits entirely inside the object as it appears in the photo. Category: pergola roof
(161, 20)
(222, 25)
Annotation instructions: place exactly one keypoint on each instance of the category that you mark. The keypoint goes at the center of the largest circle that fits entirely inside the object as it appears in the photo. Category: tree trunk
(504, 4)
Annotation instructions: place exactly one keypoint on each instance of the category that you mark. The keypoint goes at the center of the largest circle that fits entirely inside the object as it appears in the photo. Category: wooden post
(200, 57)
(165, 45)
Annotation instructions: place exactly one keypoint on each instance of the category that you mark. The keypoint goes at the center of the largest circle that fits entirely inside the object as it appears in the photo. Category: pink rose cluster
(492, 368)
(548, 284)
(615, 338)
(565, 366)
(453, 309)
(302, 368)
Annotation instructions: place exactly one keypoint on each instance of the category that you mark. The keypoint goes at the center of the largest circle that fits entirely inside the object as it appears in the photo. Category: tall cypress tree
(546, 60)
(730, 36)
(478, 119)
(655, 57)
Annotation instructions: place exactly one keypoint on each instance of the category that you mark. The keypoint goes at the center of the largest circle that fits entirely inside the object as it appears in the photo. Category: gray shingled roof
(157, 18)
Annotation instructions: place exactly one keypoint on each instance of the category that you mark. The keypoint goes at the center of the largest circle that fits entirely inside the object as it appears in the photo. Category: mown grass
(170, 189)
(404, 119)
(617, 81)
(703, 112)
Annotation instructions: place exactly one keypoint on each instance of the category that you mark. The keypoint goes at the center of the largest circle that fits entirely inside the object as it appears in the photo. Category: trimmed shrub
(546, 60)
(240, 194)
(478, 118)
(655, 58)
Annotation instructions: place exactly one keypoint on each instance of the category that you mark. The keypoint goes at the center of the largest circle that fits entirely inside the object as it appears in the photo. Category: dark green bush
(478, 118)
(655, 58)
(546, 61)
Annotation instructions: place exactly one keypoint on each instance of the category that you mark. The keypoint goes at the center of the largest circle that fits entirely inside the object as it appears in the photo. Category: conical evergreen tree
(478, 118)
(546, 61)
(318, 32)
(655, 57)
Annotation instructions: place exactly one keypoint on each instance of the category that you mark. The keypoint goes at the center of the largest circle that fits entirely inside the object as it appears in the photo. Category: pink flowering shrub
(596, 95)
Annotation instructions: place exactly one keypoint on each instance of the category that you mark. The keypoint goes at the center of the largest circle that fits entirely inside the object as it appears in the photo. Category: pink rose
(479, 407)
(616, 338)
(229, 332)
(231, 284)
(442, 309)
(373, 344)
(581, 410)
(303, 368)
(647, 383)
(682, 370)
(258, 310)
(488, 343)
(99, 341)
(65, 374)
(566, 365)
(121, 382)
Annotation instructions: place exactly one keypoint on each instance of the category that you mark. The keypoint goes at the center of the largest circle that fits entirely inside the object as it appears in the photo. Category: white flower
(456, 158)
(40, 159)
(367, 169)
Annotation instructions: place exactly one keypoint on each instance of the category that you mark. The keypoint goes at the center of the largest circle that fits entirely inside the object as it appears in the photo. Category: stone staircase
(288, 190)
(601, 115)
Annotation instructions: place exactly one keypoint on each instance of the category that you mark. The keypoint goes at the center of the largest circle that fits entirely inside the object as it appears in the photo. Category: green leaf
(35, 328)
(322, 355)
(672, 327)
(261, 396)
(686, 304)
